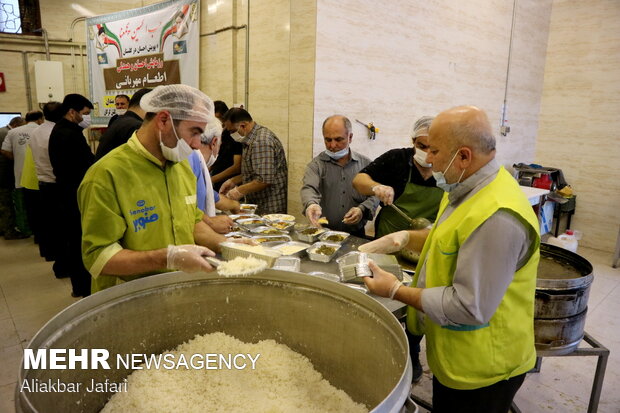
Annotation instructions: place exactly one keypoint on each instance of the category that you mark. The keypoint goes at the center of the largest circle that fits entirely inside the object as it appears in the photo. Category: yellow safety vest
(471, 357)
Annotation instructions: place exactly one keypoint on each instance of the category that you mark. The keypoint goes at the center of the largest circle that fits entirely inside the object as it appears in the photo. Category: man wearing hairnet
(403, 178)
(138, 203)
(209, 201)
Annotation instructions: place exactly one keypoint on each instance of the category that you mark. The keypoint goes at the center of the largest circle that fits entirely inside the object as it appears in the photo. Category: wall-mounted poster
(145, 47)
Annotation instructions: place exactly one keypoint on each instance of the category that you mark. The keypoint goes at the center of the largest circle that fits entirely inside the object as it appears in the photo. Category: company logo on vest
(139, 223)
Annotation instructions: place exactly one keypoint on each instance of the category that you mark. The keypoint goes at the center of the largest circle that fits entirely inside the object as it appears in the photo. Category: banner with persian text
(145, 47)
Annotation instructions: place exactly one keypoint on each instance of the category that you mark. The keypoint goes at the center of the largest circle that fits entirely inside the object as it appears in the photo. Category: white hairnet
(182, 101)
(421, 126)
(212, 130)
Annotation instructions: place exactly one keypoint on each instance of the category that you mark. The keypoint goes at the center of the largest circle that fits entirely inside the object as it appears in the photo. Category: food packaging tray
(287, 263)
(271, 240)
(251, 223)
(326, 275)
(280, 217)
(236, 234)
(347, 265)
(265, 230)
(281, 225)
(324, 236)
(236, 217)
(248, 208)
(231, 250)
(322, 257)
(302, 251)
(309, 237)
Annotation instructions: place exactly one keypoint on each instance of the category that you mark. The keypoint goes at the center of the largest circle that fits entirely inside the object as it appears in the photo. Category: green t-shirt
(129, 201)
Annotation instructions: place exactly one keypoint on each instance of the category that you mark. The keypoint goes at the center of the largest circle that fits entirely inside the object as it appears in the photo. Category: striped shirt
(263, 160)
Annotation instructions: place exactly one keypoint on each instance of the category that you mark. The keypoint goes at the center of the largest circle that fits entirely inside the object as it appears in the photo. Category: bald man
(473, 293)
(327, 189)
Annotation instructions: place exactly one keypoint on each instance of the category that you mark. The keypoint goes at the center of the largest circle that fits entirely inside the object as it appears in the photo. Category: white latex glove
(313, 213)
(222, 224)
(353, 216)
(227, 186)
(234, 194)
(382, 283)
(384, 193)
(389, 243)
(188, 258)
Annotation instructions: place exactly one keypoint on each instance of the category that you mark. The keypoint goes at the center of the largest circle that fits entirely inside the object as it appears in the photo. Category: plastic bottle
(568, 241)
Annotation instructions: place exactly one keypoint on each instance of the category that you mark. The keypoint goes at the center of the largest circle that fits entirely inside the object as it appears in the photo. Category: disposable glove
(389, 243)
(353, 216)
(384, 193)
(382, 283)
(227, 186)
(313, 213)
(188, 258)
(234, 194)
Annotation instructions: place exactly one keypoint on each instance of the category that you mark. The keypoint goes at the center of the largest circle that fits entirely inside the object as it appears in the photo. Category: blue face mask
(440, 177)
(337, 155)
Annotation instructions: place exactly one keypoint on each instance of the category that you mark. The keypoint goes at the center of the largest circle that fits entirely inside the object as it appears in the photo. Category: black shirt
(7, 179)
(225, 158)
(118, 132)
(392, 169)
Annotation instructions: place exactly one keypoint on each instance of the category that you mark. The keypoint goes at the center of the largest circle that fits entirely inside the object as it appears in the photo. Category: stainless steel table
(396, 307)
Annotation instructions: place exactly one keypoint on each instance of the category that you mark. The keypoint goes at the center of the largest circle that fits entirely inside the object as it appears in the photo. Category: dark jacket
(118, 133)
(70, 157)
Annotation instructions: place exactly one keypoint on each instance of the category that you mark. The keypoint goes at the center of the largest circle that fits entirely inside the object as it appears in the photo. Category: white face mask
(237, 136)
(440, 177)
(121, 112)
(211, 160)
(85, 123)
(420, 158)
(337, 155)
(180, 152)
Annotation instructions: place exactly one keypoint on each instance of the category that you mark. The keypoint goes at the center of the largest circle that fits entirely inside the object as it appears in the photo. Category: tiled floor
(30, 295)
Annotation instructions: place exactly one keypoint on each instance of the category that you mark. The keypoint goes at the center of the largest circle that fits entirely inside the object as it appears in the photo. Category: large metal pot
(356, 343)
(556, 337)
(563, 283)
(562, 291)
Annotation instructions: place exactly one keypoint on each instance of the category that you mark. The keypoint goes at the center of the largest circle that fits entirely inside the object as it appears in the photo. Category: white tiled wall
(579, 120)
(391, 64)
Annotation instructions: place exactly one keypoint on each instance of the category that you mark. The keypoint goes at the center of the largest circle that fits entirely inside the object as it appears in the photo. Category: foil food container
(337, 237)
(265, 230)
(231, 250)
(314, 255)
(281, 225)
(300, 247)
(271, 240)
(287, 264)
(251, 223)
(248, 208)
(309, 237)
(349, 265)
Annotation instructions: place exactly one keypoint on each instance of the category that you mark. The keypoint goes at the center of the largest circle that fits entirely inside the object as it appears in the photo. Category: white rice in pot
(283, 381)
